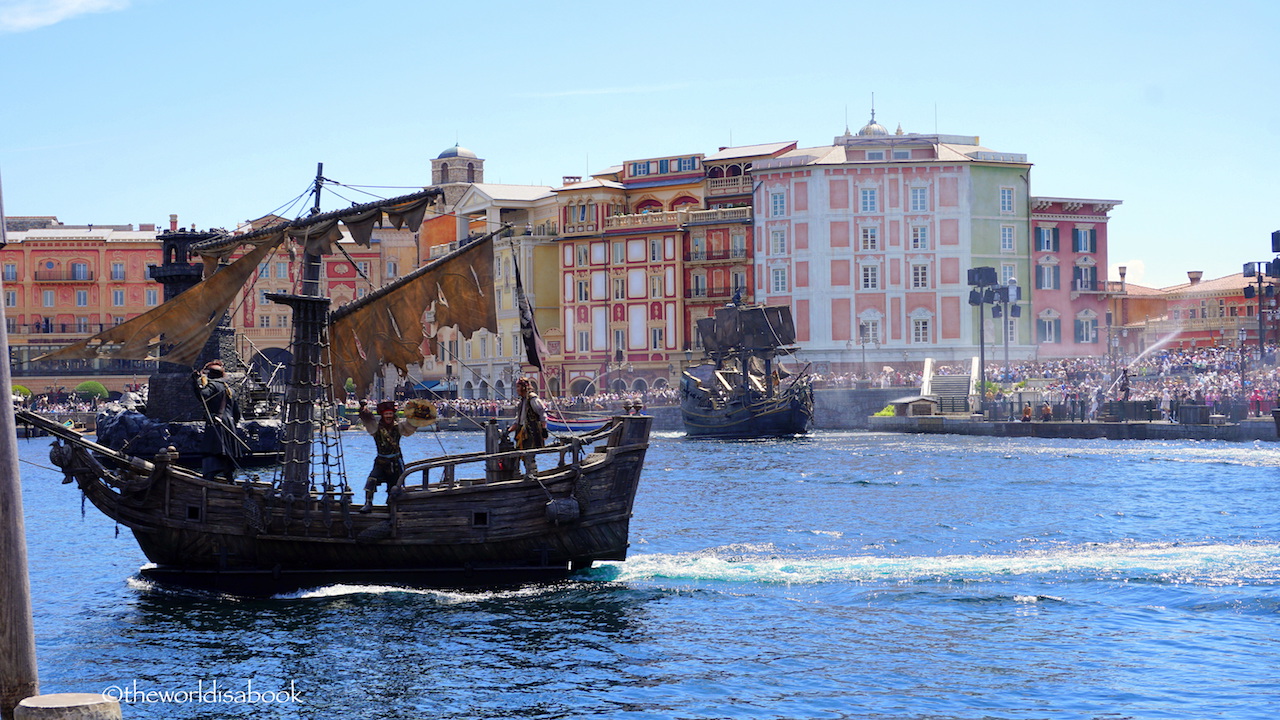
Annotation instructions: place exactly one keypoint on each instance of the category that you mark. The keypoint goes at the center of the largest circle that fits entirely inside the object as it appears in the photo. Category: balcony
(715, 293)
(644, 220)
(63, 276)
(720, 215)
(715, 255)
(738, 185)
(673, 218)
(53, 328)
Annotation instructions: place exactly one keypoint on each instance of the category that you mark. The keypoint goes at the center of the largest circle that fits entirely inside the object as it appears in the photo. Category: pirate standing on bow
(386, 432)
(530, 424)
(222, 446)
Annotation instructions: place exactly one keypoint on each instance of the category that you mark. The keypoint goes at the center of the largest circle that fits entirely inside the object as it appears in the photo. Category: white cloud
(23, 15)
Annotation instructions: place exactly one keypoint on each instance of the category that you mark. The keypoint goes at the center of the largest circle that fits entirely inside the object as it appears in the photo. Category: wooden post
(18, 678)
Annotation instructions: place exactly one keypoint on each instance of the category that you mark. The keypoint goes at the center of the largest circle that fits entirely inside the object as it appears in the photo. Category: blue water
(845, 575)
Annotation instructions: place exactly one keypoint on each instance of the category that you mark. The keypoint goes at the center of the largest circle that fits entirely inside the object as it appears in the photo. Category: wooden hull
(781, 416)
(246, 538)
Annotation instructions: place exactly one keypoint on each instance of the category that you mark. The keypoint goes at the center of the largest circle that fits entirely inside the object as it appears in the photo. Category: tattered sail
(182, 324)
(387, 327)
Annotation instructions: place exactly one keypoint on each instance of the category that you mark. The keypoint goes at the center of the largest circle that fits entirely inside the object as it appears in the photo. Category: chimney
(173, 222)
(1194, 276)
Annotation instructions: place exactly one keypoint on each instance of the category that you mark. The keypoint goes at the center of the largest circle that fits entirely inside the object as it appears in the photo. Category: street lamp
(1005, 295)
(1259, 271)
(981, 279)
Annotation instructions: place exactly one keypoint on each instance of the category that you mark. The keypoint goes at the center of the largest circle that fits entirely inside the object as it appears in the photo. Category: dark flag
(533, 345)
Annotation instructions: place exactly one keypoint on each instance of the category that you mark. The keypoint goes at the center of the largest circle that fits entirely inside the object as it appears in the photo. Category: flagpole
(18, 676)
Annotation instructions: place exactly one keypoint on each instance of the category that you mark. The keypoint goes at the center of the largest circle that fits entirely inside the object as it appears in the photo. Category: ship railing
(498, 465)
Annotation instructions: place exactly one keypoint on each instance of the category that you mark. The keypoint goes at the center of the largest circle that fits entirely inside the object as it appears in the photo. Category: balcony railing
(716, 255)
(53, 328)
(64, 276)
(737, 185)
(699, 293)
(677, 217)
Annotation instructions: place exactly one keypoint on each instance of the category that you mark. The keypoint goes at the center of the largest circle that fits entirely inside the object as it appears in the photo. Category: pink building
(1071, 293)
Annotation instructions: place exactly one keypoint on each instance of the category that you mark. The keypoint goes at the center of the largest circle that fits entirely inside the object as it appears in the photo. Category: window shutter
(1093, 241)
(1055, 240)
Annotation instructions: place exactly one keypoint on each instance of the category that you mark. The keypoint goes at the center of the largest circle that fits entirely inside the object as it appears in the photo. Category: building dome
(872, 128)
(457, 151)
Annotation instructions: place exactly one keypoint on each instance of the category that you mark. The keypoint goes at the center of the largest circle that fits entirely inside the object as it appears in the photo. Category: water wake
(1211, 564)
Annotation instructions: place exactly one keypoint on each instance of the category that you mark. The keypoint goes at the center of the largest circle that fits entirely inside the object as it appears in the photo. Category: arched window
(444, 173)
(649, 205)
(471, 172)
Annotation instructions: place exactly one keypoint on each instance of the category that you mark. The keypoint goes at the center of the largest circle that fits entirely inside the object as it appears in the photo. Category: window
(875, 154)
(584, 291)
(1047, 277)
(656, 289)
(584, 254)
(1007, 272)
(1086, 330)
(698, 249)
(778, 242)
(869, 331)
(688, 163)
(619, 288)
(393, 269)
(1085, 278)
(738, 246)
(919, 276)
(871, 238)
(282, 270)
(80, 271)
(362, 291)
(117, 298)
(657, 338)
(778, 280)
(739, 281)
(1047, 239)
(619, 252)
(1048, 331)
(497, 346)
(82, 324)
(919, 199)
(901, 154)
(363, 268)
(10, 272)
(619, 343)
(117, 319)
(870, 200)
(82, 298)
(919, 237)
(153, 297)
(1084, 241)
(117, 271)
(264, 321)
(870, 277)
(262, 297)
(777, 204)
(699, 285)
(264, 271)
(1006, 238)
(584, 341)
(640, 168)
(1006, 200)
(282, 321)
(655, 250)
(11, 298)
(920, 330)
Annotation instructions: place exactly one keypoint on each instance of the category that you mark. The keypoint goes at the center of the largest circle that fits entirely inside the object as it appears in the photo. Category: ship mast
(310, 318)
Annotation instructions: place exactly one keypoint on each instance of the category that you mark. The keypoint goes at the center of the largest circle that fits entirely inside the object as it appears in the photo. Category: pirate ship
(455, 520)
(743, 391)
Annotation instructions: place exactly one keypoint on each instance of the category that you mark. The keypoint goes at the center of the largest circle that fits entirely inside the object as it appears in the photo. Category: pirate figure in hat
(222, 446)
(386, 432)
(530, 425)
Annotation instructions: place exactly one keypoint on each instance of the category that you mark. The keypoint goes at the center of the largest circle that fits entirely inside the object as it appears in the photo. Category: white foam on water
(1210, 563)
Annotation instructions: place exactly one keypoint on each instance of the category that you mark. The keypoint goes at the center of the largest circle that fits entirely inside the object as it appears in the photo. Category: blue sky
(124, 111)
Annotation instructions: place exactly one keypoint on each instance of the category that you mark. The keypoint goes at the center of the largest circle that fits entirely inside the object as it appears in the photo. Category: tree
(91, 389)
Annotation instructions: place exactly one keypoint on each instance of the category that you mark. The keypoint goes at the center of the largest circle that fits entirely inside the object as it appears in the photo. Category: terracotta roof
(1216, 286)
